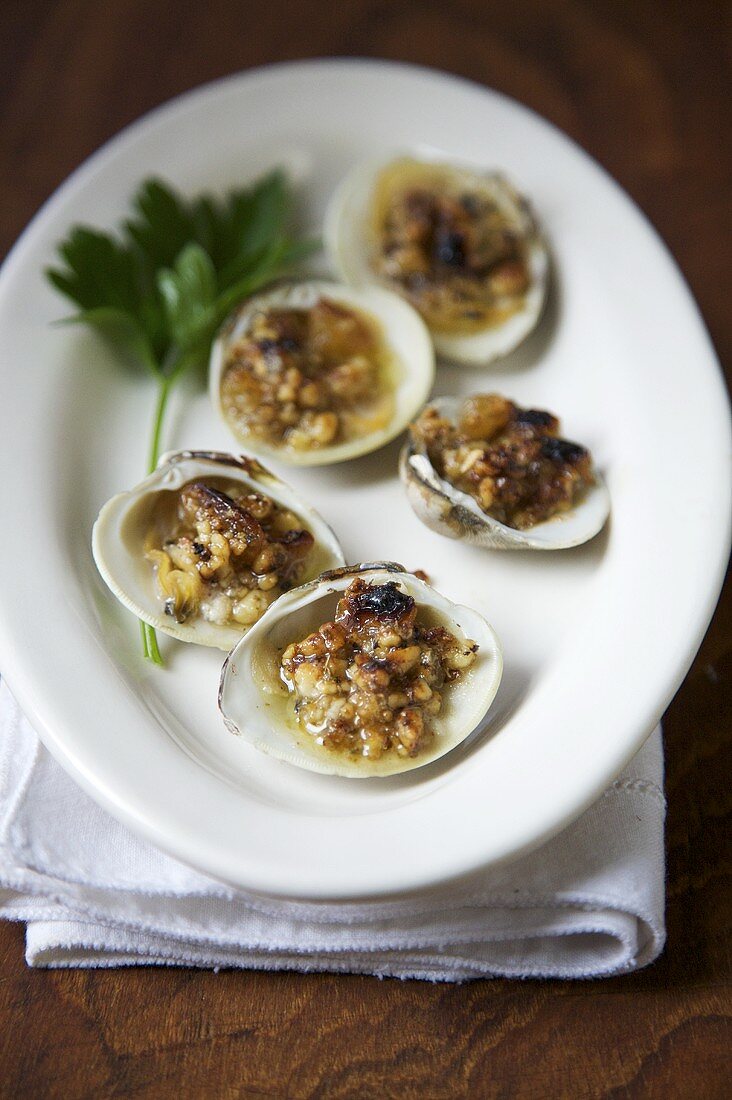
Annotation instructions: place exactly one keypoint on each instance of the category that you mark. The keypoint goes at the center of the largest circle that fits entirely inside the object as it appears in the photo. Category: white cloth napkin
(587, 904)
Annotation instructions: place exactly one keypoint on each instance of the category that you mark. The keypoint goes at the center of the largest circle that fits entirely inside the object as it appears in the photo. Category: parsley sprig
(160, 287)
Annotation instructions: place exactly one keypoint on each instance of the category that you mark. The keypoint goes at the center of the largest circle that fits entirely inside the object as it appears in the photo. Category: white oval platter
(596, 639)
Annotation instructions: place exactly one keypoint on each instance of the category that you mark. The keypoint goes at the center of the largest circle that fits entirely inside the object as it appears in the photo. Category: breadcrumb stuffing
(369, 682)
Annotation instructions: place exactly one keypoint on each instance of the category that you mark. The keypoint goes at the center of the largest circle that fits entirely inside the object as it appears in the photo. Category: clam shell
(347, 240)
(119, 533)
(255, 704)
(402, 329)
(453, 513)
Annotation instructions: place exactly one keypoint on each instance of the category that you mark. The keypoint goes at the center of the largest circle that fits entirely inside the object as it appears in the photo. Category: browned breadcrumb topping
(307, 378)
(453, 256)
(224, 553)
(510, 460)
(369, 682)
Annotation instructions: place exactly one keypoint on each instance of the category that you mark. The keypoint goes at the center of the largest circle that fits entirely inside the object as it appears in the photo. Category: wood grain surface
(643, 86)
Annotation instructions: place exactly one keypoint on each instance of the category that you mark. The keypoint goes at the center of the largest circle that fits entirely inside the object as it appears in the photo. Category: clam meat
(204, 545)
(366, 671)
(462, 246)
(314, 373)
(498, 475)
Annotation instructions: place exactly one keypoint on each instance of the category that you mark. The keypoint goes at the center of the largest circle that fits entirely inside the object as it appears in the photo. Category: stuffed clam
(486, 470)
(366, 671)
(204, 545)
(463, 247)
(313, 373)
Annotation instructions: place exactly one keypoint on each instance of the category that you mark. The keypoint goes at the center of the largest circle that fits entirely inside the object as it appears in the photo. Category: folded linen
(588, 903)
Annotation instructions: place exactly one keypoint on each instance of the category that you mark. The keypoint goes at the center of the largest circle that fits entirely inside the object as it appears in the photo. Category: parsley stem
(149, 637)
(165, 384)
(150, 644)
(160, 407)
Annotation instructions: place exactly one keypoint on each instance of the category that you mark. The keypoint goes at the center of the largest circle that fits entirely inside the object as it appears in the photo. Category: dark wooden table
(642, 86)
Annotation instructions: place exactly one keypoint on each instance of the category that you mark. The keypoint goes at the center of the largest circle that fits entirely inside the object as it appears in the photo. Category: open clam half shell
(408, 370)
(349, 235)
(453, 513)
(255, 703)
(120, 531)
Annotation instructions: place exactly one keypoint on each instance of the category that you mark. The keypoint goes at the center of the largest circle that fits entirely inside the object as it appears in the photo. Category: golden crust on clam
(509, 289)
(302, 396)
(155, 580)
(256, 703)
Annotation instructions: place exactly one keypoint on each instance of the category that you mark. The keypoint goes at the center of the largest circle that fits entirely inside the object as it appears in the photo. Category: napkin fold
(589, 903)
